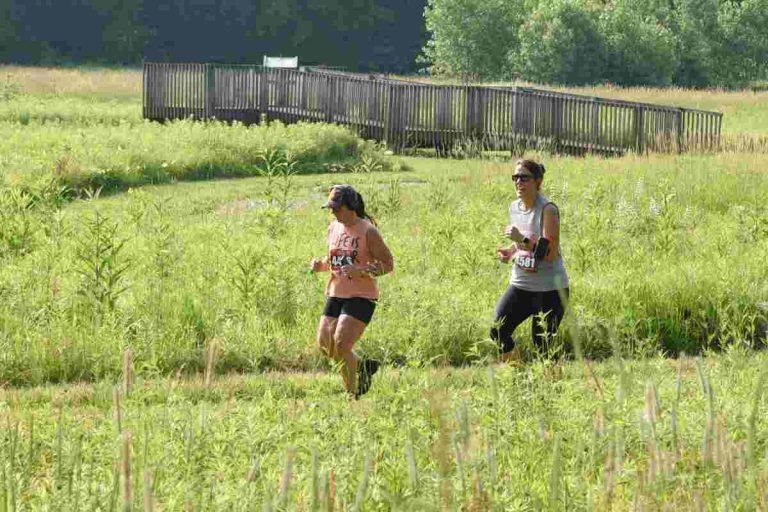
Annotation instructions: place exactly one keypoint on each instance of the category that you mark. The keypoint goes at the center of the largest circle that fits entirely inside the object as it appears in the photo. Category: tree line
(627, 42)
(692, 43)
(355, 34)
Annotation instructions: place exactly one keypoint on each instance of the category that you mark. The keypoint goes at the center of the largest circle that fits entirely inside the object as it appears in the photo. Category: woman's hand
(513, 233)
(318, 265)
(505, 254)
(350, 271)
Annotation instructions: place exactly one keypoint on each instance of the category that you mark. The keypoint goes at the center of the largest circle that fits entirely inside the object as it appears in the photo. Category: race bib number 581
(526, 261)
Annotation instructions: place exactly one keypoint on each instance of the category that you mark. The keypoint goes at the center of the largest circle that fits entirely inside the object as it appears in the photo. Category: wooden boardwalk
(408, 114)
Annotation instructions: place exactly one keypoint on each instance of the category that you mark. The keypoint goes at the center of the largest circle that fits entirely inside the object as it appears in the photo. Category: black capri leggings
(516, 305)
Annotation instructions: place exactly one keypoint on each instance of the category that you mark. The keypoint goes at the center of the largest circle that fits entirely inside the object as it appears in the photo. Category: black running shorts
(356, 307)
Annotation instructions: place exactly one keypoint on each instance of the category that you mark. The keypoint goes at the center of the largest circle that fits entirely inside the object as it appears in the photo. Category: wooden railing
(409, 114)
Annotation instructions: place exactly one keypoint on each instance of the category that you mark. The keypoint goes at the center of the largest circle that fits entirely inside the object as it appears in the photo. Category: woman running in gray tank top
(539, 281)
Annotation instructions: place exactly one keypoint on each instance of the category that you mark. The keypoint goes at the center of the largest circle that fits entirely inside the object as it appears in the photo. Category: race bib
(526, 261)
(340, 257)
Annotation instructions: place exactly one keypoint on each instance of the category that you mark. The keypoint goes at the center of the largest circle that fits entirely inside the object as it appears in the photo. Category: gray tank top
(549, 275)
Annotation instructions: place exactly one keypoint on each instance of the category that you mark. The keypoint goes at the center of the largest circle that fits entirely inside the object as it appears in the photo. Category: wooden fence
(407, 114)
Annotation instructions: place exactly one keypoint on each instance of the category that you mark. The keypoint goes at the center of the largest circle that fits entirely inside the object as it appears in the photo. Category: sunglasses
(522, 177)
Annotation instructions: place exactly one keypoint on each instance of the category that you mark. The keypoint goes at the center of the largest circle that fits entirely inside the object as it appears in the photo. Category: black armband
(541, 248)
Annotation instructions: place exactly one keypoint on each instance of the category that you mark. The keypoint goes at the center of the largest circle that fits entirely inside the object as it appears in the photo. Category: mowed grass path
(654, 435)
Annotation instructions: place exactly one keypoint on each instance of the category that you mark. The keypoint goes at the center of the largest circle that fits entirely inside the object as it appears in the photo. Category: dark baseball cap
(342, 195)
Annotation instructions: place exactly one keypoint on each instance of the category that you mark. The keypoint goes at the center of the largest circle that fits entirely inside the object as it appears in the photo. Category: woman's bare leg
(325, 330)
(348, 331)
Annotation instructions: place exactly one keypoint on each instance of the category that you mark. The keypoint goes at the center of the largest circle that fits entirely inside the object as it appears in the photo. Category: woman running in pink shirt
(357, 255)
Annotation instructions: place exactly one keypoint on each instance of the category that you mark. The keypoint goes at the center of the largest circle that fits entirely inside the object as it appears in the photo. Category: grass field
(86, 128)
(229, 404)
(651, 435)
(189, 264)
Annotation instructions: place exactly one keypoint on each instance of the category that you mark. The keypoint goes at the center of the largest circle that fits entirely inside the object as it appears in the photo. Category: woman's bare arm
(380, 253)
(552, 231)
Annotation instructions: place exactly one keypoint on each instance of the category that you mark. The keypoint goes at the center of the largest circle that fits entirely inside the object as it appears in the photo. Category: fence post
(515, 112)
(374, 108)
(639, 129)
(481, 97)
(557, 121)
(154, 85)
(146, 90)
(474, 113)
(264, 77)
(394, 128)
(302, 77)
(281, 87)
(210, 91)
(595, 134)
(330, 99)
(718, 127)
(680, 118)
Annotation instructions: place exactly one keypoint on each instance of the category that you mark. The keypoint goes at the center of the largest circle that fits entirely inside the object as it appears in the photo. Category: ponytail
(360, 210)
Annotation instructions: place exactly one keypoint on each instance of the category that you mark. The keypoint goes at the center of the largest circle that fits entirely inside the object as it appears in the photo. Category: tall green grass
(82, 80)
(665, 254)
(621, 435)
(118, 156)
(154, 293)
(86, 129)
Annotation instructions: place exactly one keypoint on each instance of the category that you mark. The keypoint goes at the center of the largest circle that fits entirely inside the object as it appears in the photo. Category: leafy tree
(123, 32)
(560, 43)
(641, 51)
(629, 42)
(8, 34)
(694, 23)
(473, 37)
(741, 50)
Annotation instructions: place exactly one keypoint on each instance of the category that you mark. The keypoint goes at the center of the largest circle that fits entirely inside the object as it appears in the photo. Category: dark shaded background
(360, 35)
